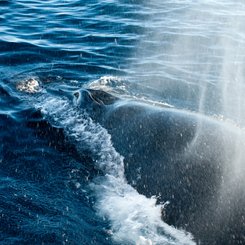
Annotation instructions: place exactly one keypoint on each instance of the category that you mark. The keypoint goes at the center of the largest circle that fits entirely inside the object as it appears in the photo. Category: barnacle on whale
(30, 85)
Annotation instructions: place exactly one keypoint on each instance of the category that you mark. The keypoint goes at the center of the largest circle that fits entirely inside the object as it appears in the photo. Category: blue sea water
(187, 54)
(43, 179)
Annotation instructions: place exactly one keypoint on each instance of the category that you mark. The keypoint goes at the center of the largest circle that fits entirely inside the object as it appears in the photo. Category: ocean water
(62, 181)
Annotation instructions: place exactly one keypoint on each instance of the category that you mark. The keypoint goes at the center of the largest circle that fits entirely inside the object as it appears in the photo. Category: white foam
(134, 218)
(120, 88)
(30, 85)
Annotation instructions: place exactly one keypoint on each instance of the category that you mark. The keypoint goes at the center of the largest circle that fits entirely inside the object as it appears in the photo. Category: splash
(193, 55)
(134, 218)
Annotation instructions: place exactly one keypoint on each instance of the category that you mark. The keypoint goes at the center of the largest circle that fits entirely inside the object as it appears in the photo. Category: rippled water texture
(62, 180)
(80, 38)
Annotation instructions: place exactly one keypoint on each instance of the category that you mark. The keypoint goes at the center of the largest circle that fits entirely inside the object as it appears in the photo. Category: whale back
(181, 157)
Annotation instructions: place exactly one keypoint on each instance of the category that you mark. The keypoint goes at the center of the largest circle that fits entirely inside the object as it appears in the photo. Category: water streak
(134, 218)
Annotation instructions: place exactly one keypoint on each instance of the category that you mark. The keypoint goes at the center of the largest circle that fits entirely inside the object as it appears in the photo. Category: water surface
(184, 54)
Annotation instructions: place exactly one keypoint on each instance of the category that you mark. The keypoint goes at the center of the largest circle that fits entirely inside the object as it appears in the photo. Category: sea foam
(134, 218)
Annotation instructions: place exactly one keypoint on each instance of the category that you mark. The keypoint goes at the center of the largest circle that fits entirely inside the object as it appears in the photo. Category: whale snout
(84, 99)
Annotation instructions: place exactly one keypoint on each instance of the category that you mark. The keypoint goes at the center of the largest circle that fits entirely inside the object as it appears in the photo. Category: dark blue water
(44, 194)
(50, 185)
(43, 178)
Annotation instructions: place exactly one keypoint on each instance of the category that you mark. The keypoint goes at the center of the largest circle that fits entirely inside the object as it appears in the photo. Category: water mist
(194, 58)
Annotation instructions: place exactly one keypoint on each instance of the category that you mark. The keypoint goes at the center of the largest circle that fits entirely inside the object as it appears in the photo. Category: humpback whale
(193, 162)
